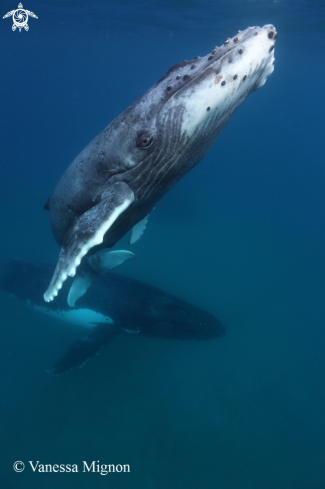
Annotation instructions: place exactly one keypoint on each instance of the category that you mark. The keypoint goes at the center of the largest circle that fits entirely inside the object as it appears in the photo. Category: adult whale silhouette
(115, 182)
(113, 305)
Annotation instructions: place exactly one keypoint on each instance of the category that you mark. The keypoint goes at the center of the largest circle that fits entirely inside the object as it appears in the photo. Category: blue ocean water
(241, 236)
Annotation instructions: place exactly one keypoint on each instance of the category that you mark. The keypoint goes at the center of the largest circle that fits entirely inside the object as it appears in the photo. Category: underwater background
(241, 236)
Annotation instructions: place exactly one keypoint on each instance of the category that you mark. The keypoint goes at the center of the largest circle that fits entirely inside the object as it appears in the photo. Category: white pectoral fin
(98, 263)
(138, 229)
(79, 286)
(88, 231)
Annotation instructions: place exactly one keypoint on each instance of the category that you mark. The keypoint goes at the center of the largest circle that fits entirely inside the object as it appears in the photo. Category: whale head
(208, 90)
(173, 125)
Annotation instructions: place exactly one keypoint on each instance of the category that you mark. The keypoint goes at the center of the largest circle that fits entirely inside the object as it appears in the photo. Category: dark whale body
(116, 181)
(113, 305)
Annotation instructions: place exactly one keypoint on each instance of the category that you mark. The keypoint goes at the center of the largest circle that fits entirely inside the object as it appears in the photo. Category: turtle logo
(20, 18)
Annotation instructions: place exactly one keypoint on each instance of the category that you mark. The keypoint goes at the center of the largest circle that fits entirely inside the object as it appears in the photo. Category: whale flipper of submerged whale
(88, 346)
(112, 305)
(115, 182)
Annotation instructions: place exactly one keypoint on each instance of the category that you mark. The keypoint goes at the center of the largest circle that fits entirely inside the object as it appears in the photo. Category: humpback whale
(113, 305)
(115, 182)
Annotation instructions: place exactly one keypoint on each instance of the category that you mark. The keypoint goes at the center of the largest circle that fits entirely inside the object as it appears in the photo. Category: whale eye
(144, 139)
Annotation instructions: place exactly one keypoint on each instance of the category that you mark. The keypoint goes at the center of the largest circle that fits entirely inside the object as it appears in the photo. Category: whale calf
(113, 305)
(115, 182)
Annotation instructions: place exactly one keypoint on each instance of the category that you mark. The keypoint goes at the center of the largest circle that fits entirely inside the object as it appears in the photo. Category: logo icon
(20, 18)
